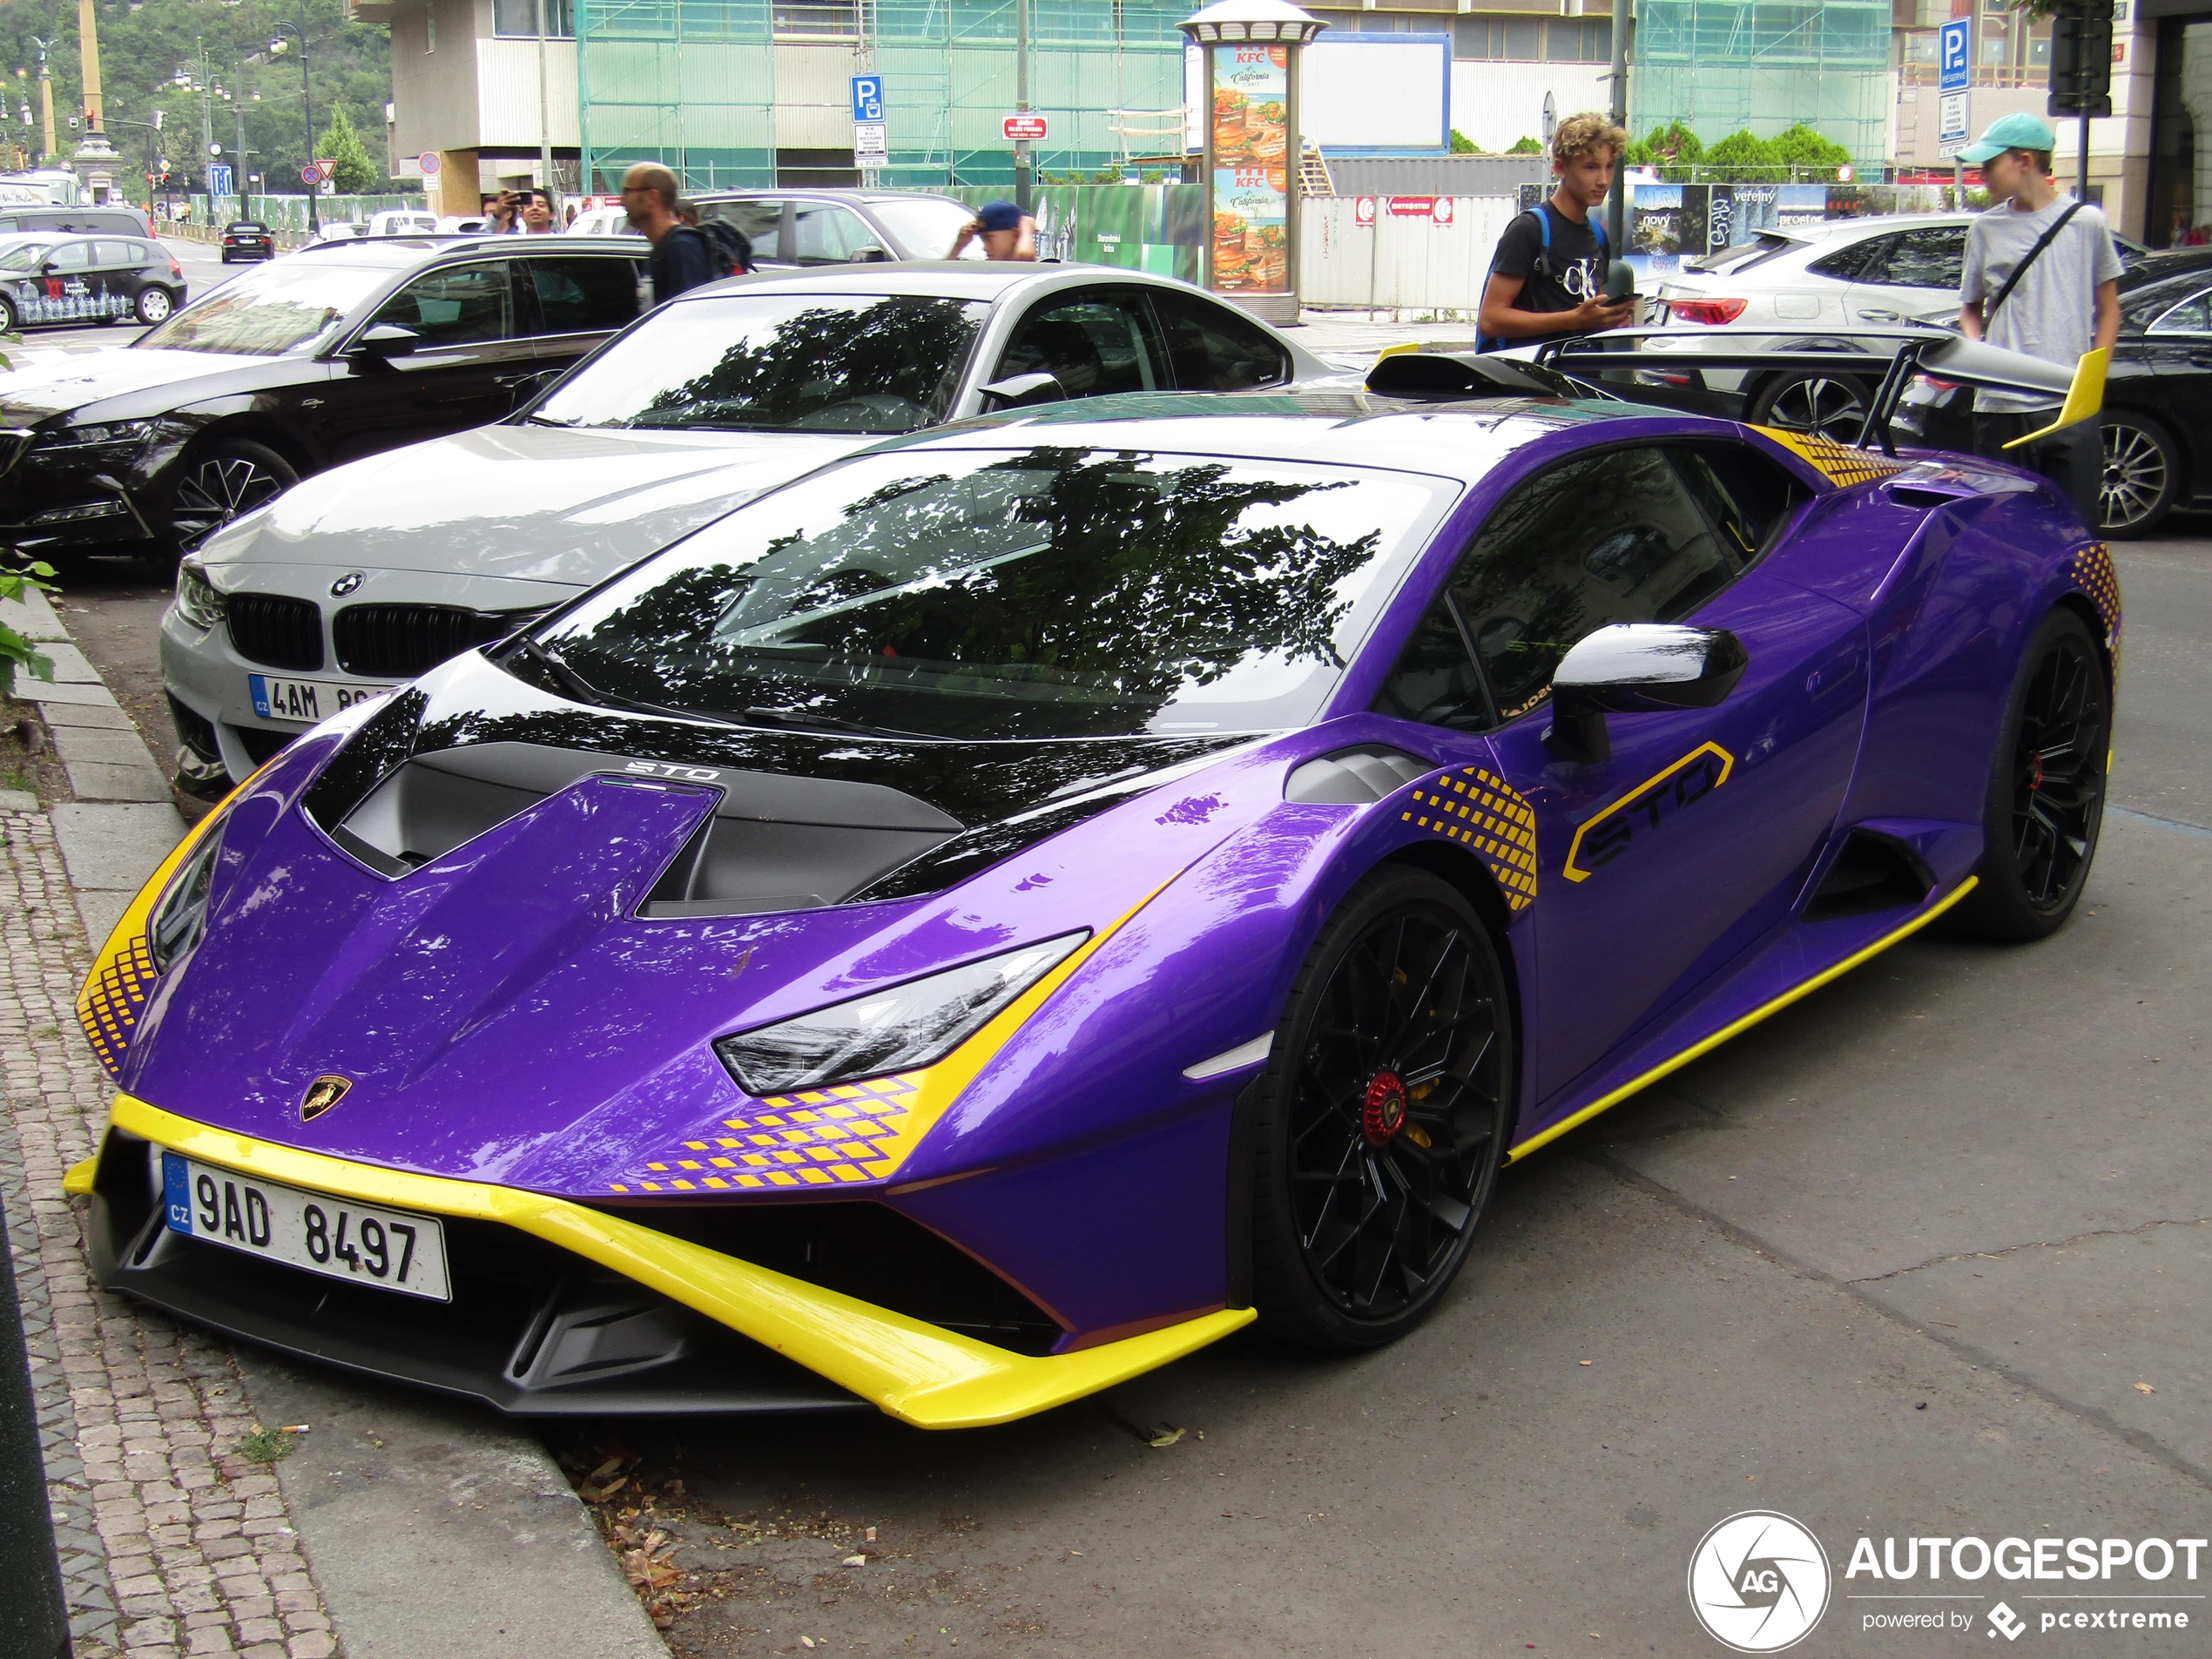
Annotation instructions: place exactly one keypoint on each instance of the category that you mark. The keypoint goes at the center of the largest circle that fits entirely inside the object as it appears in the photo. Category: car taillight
(1705, 311)
(175, 269)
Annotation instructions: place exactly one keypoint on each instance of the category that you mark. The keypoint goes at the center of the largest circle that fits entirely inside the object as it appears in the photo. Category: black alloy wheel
(153, 305)
(2047, 792)
(231, 475)
(1380, 1122)
(2143, 475)
(1834, 406)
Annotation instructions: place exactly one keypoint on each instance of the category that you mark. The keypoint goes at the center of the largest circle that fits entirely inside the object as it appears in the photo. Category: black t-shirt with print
(1561, 279)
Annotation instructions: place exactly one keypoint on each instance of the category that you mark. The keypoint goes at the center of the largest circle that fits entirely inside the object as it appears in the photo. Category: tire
(225, 256)
(153, 305)
(1367, 1189)
(2046, 789)
(218, 482)
(2142, 476)
(1832, 405)
(9, 323)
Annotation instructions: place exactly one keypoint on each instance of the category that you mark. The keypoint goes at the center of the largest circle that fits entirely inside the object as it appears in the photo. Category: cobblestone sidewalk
(170, 1543)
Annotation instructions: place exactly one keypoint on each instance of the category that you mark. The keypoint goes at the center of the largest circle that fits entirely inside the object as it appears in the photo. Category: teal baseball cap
(2019, 131)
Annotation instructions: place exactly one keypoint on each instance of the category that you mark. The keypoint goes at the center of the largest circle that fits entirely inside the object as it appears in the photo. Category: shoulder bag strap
(2020, 270)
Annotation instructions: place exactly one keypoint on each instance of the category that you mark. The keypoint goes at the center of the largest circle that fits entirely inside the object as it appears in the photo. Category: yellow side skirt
(1709, 1044)
(918, 1372)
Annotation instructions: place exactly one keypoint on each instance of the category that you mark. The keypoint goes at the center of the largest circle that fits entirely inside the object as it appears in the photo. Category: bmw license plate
(336, 1238)
(308, 700)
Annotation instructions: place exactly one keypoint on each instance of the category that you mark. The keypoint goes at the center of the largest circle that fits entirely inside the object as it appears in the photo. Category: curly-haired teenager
(1548, 276)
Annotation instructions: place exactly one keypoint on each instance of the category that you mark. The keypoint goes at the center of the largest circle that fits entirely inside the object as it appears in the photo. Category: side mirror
(1023, 391)
(1637, 667)
(873, 255)
(385, 340)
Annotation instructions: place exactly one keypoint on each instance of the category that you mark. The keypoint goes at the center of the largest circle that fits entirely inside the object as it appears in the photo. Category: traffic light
(2081, 59)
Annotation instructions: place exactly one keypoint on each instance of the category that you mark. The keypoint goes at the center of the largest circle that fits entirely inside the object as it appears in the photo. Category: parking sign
(867, 98)
(1957, 54)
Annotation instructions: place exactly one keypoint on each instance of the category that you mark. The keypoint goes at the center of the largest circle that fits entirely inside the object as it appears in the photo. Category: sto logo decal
(1646, 809)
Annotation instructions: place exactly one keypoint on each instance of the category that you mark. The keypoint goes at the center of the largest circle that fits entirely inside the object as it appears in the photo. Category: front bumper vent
(400, 642)
(276, 631)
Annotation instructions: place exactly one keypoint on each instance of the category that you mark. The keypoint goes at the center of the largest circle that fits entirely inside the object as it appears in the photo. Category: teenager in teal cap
(2066, 302)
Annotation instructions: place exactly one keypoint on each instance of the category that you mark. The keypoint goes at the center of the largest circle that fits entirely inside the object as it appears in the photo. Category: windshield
(25, 256)
(268, 310)
(798, 362)
(927, 225)
(1050, 592)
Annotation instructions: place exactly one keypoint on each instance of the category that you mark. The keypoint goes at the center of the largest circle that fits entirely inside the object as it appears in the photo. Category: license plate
(313, 1232)
(308, 700)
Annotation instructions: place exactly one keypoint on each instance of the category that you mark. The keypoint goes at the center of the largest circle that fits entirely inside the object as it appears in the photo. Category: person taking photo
(1548, 277)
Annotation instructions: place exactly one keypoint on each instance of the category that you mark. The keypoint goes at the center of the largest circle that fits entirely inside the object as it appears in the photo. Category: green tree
(356, 175)
(1673, 149)
(1744, 157)
(1525, 146)
(1802, 147)
(1461, 145)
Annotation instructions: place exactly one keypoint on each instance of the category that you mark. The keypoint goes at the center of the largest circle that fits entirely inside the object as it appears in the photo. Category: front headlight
(181, 915)
(96, 434)
(197, 602)
(899, 1030)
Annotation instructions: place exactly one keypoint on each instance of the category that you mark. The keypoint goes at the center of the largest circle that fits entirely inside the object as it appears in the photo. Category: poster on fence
(1251, 234)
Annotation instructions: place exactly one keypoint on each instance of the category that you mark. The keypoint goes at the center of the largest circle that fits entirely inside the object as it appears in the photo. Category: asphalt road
(1928, 1254)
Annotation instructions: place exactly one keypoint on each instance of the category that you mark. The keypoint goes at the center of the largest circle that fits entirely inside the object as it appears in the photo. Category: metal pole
(245, 208)
(34, 1616)
(1023, 170)
(544, 111)
(308, 105)
(1616, 207)
(2081, 173)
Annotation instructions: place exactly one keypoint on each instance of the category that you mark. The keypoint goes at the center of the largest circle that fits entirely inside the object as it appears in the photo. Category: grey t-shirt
(2053, 313)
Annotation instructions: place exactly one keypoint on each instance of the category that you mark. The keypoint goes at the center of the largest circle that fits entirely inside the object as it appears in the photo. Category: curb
(432, 1529)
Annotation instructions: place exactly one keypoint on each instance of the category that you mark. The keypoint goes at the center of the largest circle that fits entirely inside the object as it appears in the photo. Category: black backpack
(731, 248)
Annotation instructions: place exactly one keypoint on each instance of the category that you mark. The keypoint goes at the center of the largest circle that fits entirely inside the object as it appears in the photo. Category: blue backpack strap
(1541, 210)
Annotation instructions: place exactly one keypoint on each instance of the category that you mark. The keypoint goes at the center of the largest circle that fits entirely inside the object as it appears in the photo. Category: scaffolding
(1719, 66)
(694, 83)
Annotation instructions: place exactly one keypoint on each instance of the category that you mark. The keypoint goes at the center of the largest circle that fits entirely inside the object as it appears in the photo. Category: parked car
(288, 368)
(401, 221)
(247, 239)
(601, 221)
(1032, 898)
(460, 223)
(46, 281)
(2158, 397)
(115, 221)
(1806, 284)
(370, 574)
(793, 229)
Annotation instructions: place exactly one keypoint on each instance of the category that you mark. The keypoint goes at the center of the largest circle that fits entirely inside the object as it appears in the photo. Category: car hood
(514, 1008)
(530, 503)
(31, 395)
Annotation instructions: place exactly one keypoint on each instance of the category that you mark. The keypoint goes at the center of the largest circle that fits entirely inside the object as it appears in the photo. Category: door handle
(1877, 315)
(517, 379)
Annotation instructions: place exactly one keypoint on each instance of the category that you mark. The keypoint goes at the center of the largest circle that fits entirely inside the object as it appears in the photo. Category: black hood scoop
(804, 819)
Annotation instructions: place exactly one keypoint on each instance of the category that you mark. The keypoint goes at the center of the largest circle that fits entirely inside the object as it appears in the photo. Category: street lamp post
(45, 99)
(277, 44)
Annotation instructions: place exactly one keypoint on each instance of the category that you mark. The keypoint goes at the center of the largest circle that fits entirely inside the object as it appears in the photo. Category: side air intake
(1871, 873)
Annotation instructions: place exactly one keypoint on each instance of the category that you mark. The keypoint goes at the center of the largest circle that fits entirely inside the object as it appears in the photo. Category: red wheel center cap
(1383, 1113)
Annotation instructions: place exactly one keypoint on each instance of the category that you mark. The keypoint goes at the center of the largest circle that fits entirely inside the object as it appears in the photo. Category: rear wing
(1893, 356)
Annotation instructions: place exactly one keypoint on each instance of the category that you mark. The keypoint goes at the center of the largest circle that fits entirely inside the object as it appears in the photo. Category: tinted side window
(826, 235)
(1612, 537)
(761, 221)
(1096, 341)
(115, 255)
(1433, 680)
(1924, 259)
(70, 256)
(1846, 262)
(580, 295)
(2192, 316)
(1213, 348)
(1748, 498)
(458, 306)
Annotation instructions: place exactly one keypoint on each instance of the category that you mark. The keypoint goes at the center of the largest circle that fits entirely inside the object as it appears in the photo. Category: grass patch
(266, 1445)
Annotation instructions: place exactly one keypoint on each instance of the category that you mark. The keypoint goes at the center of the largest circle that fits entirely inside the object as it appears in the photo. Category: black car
(306, 362)
(794, 228)
(246, 238)
(2158, 397)
(46, 281)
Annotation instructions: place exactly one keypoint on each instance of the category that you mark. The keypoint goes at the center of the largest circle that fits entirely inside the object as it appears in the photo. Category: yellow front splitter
(917, 1371)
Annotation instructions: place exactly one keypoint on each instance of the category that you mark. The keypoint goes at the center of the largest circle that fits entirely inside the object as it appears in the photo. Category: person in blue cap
(1006, 233)
(2041, 277)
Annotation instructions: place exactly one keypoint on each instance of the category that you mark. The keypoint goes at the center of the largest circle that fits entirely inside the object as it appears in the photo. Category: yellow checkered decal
(820, 1137)
(2093, 573)
(1483, 813)
(1839, 462)
(108, 1007)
